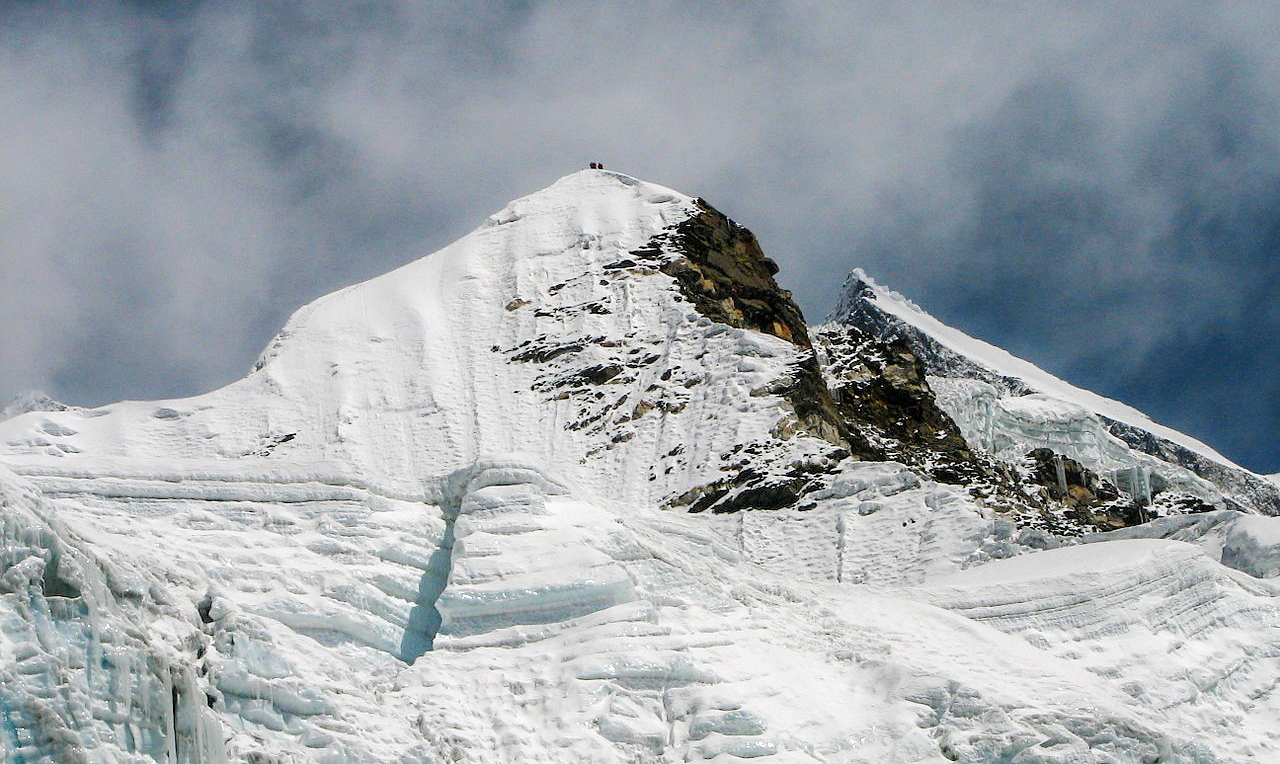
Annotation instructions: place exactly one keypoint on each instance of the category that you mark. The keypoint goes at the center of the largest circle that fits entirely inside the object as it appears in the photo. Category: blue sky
(1093, 186)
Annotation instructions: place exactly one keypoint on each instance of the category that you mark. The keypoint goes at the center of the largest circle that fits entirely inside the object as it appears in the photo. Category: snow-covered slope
(1007, 406)
(442, 522)
(578, 631)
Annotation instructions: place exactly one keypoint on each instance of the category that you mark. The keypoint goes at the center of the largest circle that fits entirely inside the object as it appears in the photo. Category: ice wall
(95, 664)
(1010, 427)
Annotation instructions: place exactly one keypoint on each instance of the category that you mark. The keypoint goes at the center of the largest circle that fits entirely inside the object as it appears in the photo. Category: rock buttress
(720, 268)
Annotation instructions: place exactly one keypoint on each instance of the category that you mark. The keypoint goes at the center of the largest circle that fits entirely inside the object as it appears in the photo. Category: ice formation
(439, 522)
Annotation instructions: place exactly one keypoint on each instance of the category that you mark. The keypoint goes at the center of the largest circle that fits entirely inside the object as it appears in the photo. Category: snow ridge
(28, 401)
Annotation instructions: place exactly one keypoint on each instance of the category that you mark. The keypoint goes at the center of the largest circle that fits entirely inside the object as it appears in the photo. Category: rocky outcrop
(857, 308)
(1089, 499)
(880, 391)
(724, 273)
(720, 268)
(867, 398)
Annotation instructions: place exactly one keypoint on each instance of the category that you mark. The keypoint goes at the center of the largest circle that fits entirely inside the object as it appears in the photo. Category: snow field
(1188, 640)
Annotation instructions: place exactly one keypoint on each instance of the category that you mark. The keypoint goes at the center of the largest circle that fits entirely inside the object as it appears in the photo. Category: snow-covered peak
(1007, 406)
(28, 401)
(596, 212)
(860, 286)
(552, 330)
(429, 527)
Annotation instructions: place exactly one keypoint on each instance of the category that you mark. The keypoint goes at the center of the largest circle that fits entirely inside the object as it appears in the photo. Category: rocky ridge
(863, 305)
(855, 385)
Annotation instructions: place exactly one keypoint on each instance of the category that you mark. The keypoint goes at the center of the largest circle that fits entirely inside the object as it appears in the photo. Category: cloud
(1091, 185)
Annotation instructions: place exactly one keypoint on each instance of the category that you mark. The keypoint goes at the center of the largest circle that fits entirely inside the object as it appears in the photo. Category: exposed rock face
(728, 278)
(1090, 500)
(721, 269)
(864, 390)
(880, 391)
(857, 308)
(867, 397)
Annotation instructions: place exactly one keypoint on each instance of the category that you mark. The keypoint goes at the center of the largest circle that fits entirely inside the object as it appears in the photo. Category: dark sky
(1093, 186)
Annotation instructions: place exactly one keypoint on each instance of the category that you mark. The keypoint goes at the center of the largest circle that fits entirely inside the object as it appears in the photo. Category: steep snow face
(1005, 405)
(1009, 427)
(538, 333)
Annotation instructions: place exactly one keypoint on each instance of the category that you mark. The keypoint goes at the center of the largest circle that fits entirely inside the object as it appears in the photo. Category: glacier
(446, 518)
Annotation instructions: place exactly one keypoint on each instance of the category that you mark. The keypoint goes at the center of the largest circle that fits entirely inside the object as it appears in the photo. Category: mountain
(1008, 406)
(28, 401)
(584, 486)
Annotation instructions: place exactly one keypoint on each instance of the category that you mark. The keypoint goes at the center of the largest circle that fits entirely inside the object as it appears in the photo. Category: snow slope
(27, 401)
(1245, 542)
(576, 631)
(428, 528)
